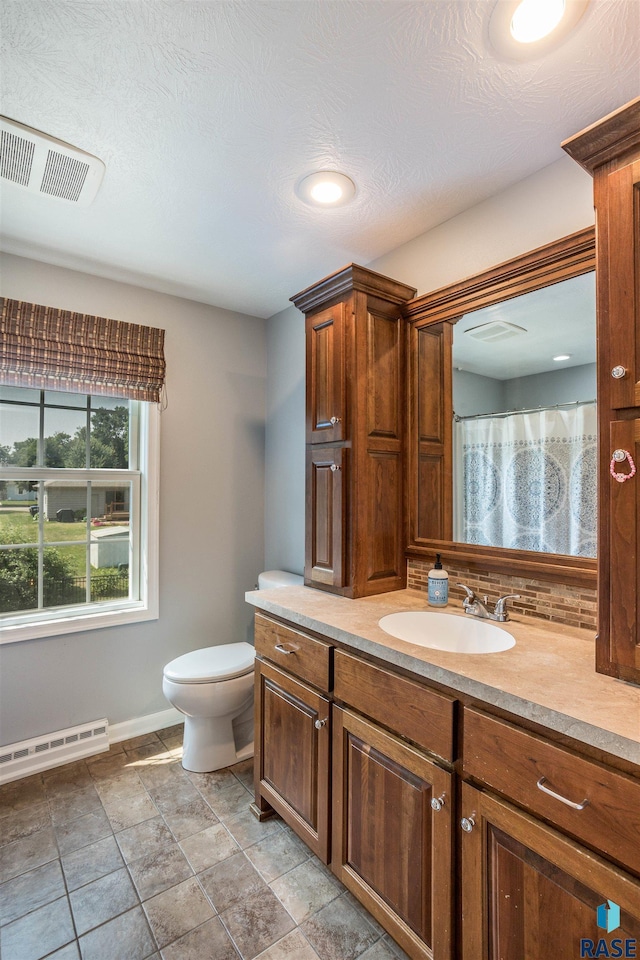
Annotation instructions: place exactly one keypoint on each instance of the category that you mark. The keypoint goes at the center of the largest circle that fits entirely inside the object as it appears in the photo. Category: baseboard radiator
(18, 760)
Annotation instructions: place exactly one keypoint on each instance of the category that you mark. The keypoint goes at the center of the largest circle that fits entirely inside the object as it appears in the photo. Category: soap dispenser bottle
(438, 585)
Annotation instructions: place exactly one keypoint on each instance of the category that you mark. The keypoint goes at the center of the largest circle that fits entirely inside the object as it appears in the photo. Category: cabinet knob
(437, 803)
(619, 372)
(467, 824)
(319, 724)
(334, 467)
(334, 420)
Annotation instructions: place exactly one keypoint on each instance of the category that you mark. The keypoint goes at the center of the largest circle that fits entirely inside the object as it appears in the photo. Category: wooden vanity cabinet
(292, 731)
(530, 893)
(610, 152)
(531, 889)
(355, 390)
(390, 847)
(393, 805)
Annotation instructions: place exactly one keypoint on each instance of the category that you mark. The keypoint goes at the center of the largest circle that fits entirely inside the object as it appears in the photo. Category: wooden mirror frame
(430, 404)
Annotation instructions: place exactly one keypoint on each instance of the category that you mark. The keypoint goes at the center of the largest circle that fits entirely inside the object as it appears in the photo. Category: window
(79, 432)
(77, 533)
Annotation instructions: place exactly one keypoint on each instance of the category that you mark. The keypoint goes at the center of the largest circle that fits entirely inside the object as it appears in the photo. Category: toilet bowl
(213, 687)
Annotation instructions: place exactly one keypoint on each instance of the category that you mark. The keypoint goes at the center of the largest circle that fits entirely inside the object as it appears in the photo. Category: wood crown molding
(350, 278)
(608, 139)
(568, 257)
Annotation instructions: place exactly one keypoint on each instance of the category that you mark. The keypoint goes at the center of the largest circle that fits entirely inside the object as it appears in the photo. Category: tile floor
(125, 856)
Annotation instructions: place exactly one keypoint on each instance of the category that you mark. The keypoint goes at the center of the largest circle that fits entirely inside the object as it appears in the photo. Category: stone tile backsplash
(557, 602)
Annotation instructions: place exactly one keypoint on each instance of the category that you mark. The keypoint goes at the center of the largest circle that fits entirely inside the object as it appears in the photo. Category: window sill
(81, 622)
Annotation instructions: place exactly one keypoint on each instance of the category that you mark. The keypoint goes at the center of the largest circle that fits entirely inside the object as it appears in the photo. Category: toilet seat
(212, 664)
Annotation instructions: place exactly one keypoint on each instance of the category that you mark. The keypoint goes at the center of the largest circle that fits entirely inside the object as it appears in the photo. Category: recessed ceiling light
(524, 29)
(326, 188)
(535, 19)
(563, 356)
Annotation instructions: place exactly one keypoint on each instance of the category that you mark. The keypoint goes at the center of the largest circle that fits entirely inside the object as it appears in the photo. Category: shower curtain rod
(510, 413)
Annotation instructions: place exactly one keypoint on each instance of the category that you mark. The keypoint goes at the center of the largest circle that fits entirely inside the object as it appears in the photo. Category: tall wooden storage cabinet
(610, 151)
(356, 382)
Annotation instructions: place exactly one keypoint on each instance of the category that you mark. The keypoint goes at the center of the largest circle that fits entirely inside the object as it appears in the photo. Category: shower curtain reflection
(528, 480)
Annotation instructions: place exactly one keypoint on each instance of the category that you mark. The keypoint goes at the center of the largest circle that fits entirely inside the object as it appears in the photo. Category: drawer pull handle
(556, 796)
(282, 648)
(437, 803)
(467, 824)
(319, 724)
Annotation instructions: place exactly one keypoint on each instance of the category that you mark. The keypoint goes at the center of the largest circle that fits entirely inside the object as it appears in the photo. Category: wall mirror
(503, 459)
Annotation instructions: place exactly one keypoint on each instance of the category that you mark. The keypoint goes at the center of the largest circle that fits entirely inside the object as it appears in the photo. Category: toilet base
(210, 746)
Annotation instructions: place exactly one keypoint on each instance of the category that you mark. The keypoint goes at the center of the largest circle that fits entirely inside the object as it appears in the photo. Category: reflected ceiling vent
(495, 330)
(44, 165)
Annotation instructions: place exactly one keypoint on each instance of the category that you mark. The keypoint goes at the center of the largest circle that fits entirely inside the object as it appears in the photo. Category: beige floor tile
(277, 854)
(91, 862)
(126, 812)
(22, 823)
(154, 873)
(257, 922)
(102, 900)
(38, 933)
(231, 881)
(305, 890)
(151, 837)
(209, 846)
(30, 891)
(20, 794)
(128, 937)
(338, 932)
(27, 854)
(247, 829)
(177, 911)
(292, 947)
(209, 941)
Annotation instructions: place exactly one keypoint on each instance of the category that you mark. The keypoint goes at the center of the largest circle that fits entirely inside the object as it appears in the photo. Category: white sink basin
(441, 631)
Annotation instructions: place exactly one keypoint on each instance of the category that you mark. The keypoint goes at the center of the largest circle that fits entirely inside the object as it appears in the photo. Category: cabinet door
(622, 582)
(325, 540)
(390, 847)
(325, 375)
(292, 755)
(529, 893)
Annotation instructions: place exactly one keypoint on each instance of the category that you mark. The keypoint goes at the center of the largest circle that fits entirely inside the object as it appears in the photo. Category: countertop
(548, 677)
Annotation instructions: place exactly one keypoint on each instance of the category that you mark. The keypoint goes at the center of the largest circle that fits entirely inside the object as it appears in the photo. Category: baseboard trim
(138, 726)
(125, 730)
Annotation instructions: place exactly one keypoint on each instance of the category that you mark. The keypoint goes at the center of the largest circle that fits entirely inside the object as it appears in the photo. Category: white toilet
(213, 687)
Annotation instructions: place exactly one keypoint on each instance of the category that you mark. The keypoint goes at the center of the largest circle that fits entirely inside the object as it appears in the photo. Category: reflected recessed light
(523, 29)
(563, 356)
(327, 188)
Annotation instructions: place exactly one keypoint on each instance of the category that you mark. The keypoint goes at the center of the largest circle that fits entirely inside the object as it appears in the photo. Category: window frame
(57, 621)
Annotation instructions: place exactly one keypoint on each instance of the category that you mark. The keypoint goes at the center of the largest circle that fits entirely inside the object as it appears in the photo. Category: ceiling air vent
(42, 164)
(495, 330)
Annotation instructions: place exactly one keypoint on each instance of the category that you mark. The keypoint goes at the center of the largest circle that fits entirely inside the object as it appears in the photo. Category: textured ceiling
(206, 115)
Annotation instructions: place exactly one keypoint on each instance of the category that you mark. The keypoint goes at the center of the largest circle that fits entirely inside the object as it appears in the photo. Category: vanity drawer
(305, 657)
(407, 708)
(519, 764)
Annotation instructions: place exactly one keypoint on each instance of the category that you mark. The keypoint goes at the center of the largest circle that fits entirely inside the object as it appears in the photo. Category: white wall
(211, 511)
(285, 451)
(551, 204)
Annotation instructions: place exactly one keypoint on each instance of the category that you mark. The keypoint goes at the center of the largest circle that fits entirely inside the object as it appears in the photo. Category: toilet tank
(278, 578)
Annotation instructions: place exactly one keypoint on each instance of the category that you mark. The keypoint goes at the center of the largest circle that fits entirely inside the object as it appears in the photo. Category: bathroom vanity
(479, 806)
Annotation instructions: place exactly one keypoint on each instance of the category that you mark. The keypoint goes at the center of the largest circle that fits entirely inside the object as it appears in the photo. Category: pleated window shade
(53, 349)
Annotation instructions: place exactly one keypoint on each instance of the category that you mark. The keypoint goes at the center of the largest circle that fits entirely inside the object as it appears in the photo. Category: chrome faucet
(478, 608)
